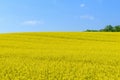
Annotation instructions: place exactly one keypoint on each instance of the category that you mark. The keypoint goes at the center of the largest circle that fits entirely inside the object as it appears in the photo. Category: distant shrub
(108, 28)
(91, 30)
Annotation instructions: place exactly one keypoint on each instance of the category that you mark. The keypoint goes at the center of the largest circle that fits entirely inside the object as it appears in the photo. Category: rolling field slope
(60, 56)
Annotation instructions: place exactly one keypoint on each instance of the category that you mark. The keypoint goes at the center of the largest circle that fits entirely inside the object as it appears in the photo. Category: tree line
(108, 28)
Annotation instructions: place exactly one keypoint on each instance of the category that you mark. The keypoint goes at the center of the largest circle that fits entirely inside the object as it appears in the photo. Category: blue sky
(57, 15)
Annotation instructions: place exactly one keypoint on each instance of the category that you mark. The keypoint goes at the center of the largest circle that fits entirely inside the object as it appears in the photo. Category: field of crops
(60, 56)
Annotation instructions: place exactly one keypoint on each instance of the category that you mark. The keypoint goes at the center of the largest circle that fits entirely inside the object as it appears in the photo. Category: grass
(60, 56)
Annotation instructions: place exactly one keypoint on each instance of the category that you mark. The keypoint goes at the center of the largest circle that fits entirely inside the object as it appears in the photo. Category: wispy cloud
(82, 5)
(33, 22)
(87, 17)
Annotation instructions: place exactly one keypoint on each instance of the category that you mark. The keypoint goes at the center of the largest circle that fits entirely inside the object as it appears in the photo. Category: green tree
(109, 28)
(117, 28)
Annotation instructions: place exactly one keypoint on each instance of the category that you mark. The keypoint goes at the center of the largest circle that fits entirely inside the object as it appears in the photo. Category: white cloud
(88, 17)
(33, 22)
(82, 5)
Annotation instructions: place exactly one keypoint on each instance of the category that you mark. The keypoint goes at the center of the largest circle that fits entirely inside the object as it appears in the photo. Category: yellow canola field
(60, 56)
